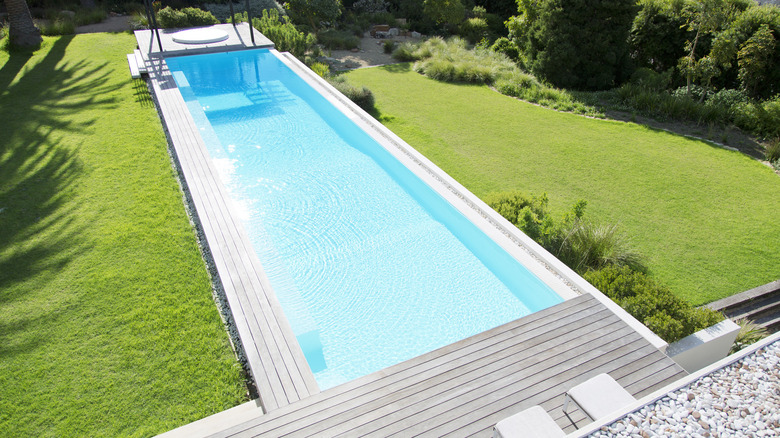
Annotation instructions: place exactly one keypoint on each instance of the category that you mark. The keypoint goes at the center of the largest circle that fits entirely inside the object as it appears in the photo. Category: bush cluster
(363, 97)
(283, 33)
(338, 39)
(452, 60)
(222, 10)
(652, 304)
(187, 17)
(606, 260)
(702, 106)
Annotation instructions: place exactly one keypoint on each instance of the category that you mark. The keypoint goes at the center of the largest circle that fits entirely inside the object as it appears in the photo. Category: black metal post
(249, 18)
(232, 14)
(152, 21)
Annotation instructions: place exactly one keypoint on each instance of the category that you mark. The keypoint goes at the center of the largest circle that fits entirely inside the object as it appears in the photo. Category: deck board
(465, 388)
(276, 362)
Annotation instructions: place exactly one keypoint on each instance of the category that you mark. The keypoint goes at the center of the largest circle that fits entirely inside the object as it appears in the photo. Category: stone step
(140, 61)
(760, 305)
(131, 61)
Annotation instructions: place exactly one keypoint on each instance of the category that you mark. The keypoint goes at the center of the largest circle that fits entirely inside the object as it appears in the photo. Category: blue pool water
(371, 266)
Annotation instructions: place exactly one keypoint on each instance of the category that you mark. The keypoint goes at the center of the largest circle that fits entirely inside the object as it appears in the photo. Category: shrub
(58, 26)
(222, 10)
(338, 39)
(283, 33)
(388, 46)
(90, 16)
(729, 100)
(651, 80)
(321, 69)
(405, 52)
(361, 96)
(652, 304)
(474, 29)
(370, 6)
(749, 333)
(772, 151)
(186, 17)
(579, 244)
(453, 61)
(507, 47)
(589, 246)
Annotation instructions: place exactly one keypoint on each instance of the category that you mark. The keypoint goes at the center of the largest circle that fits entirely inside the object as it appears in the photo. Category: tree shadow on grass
(38, 212)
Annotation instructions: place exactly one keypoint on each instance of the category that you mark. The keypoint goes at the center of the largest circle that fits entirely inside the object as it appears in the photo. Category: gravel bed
(740, 400)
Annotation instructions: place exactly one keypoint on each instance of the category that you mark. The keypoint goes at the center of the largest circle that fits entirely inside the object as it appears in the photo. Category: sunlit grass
(703, 217)
(107, 324)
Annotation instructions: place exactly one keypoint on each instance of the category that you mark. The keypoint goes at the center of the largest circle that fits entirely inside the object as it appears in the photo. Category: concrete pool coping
(275, 360)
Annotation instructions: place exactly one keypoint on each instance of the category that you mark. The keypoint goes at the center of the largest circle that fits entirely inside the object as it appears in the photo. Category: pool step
(137, 64)
(140, 61)
(760, 305)
(135, 73)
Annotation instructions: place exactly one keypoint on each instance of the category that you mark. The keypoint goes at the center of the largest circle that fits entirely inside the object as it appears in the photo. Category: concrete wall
(704, 347)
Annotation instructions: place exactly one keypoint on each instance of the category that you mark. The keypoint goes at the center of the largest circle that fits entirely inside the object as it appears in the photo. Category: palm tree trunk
(22, 31)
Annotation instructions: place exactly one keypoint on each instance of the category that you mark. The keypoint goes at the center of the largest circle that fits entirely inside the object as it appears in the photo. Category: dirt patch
(369, 54)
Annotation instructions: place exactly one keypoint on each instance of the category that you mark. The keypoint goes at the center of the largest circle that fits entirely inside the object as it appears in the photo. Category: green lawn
(107, 324)
(705, 218)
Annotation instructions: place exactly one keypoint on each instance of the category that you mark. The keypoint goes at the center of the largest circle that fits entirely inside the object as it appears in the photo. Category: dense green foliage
(284, 34)
(445, 12)
(314, 13)
(107, 322)
(723, 44)
(337, 39)
(362, 96)
(575, 43)
(453, 61)
(703, 217)
(578, 243)
(187, 17)
(222, 10)
(652, 304)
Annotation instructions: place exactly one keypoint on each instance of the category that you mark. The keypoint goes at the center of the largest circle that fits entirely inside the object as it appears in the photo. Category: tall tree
(707, 17)
(22, 31)
(575, 43)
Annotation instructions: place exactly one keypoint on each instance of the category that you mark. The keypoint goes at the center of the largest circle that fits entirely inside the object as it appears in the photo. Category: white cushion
(600, 396)
(533, 422)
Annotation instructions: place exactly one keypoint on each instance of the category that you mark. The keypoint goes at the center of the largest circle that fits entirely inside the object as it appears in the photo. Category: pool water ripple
(371, 266)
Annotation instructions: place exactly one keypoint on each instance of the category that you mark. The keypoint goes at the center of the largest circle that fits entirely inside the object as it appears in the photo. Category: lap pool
(370, 264)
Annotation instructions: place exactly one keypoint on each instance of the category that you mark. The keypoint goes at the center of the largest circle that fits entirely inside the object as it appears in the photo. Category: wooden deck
(275, 359)
(463, 389)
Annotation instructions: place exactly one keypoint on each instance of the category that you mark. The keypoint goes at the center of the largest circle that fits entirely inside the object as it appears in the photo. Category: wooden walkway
(275, 359)
(463, 389)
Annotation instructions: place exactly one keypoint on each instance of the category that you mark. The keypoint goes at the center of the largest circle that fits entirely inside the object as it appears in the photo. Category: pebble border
(739, 400)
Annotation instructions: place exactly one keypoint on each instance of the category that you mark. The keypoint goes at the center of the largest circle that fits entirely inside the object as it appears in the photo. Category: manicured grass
(705, 218)
(107, 324)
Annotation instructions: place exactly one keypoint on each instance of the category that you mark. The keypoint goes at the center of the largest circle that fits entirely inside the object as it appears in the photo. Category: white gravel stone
(740, 400)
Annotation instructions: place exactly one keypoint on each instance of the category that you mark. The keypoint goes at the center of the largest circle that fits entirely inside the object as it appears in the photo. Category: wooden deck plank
(501, 372)
(362, 391)
(281, 373)
(454, 382)
(197, 177)
(499, 394)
